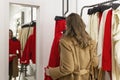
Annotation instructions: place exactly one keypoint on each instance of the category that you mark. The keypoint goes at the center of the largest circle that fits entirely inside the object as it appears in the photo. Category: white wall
(4, 39)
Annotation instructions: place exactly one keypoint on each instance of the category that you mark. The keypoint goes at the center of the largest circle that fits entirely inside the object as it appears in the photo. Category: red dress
(106, 56)
(54, 59)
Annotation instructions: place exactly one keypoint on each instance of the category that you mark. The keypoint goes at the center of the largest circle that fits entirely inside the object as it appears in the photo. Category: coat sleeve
(66, 62)
(93, 51)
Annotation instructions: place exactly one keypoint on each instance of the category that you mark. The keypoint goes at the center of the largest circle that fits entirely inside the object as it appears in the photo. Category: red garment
(54, 59)
(100, 16)
(30, 49)
(14, 46)
(106, 56)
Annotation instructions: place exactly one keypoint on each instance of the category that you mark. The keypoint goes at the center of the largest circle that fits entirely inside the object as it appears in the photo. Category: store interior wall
(48, 11)
(4, 20)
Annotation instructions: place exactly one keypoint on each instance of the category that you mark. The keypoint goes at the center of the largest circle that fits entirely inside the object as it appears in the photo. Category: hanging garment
(23, 36)
(106, 55)
(29, 52)
(100, 37)
(54, 59)
(116, 45)
(93, 24)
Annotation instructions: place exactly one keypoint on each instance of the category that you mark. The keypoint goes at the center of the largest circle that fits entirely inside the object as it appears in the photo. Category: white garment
(94, 25)
(101, 37)
(116, 45)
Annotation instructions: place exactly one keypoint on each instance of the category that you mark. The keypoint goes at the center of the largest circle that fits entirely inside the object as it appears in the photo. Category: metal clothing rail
(31, 14)
(65, 12)
(96, 5)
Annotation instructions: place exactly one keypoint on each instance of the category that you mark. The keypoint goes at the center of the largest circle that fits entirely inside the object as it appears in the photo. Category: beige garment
(25, 33)
(74, 61)
(15, 67)
(94, 25)
(116, 45)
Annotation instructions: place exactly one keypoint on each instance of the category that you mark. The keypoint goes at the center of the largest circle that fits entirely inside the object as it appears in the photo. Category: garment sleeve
(66, 62)
(93, 52)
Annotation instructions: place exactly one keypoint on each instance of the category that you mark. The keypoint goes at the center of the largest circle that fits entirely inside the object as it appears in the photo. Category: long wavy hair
(76, 29)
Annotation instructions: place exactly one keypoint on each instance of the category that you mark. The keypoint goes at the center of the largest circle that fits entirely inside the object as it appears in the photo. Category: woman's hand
(47, 71)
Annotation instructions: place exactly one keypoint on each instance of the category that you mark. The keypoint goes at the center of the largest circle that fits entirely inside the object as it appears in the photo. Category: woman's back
(81, 58)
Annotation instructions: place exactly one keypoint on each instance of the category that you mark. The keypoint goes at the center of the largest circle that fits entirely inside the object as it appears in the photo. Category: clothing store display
(108, 38)
(54, 59)
(98, 60)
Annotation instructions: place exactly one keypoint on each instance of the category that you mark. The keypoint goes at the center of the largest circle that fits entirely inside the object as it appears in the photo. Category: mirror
(22, 42)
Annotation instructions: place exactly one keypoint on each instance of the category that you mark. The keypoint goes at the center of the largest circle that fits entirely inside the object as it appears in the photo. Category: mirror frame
(39, 60)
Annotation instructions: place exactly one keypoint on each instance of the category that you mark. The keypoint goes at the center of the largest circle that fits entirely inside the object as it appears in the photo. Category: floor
(30, 73)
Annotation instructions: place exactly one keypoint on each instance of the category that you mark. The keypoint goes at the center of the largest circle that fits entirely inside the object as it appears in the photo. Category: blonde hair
(76, 29)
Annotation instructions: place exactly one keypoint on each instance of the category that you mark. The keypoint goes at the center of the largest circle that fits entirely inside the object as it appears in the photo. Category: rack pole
(96, 5)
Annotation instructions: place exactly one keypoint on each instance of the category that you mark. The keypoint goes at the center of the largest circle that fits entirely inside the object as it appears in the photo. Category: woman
(14, 53)
(77, 52)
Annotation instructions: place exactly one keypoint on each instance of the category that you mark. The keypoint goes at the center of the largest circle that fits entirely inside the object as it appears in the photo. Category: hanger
(115, 6)
(88, 6)
(99, 8)
(33, 23)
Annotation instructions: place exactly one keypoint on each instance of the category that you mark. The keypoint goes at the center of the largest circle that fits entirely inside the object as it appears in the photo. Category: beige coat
(116, 45)
(74, 61)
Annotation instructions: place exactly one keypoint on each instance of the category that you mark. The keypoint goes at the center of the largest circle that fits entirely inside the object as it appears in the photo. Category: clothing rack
(31, 24)
(31, 13)
(96, 5)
